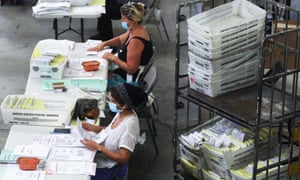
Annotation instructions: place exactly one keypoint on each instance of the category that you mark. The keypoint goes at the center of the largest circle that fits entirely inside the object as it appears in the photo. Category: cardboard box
(277, 49)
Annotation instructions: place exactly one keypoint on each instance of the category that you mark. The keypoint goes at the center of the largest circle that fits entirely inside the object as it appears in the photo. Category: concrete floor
(19, 33)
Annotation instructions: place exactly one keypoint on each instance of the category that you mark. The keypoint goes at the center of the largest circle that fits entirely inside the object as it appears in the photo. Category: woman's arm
(134, 53)
(90, 127)
(122, 156)
(114, 42)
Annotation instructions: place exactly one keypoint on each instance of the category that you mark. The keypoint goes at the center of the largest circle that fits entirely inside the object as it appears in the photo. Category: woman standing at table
(121, 134)
(104, 23)
(135, 44)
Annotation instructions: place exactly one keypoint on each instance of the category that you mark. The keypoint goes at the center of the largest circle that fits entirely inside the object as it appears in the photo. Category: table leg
(82, 29)
(55, 28)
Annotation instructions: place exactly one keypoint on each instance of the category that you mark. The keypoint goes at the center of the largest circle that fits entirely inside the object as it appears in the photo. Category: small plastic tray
(28, 163)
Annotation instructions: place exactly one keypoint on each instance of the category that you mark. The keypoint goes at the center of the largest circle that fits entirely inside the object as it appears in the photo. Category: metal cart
(278, 82)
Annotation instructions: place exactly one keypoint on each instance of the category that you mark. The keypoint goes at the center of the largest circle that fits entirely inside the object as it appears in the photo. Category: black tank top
(145, 57)
(146, 54)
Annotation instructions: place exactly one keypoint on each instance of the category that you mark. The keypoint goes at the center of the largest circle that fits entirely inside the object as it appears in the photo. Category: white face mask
(89, 120)
(113, 107)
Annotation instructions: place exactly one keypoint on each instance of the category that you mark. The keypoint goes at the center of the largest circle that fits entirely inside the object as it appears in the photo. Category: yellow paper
(98, 2)
(36, 53)
(58, 60)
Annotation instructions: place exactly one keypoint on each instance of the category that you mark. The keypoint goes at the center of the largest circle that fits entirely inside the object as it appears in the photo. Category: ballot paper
(71, 167)
(61, 140)
(84, 134)
(14, 173)
(39, 151)
(71, 154)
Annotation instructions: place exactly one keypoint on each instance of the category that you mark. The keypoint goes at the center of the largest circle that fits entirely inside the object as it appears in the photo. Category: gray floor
(19, 32)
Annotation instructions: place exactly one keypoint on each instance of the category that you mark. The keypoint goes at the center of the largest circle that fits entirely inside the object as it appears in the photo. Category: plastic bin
(272, 175)
(243, 70)
(42, 111)
(210, 175)
(218, 87)
(226, 29)
(195, 157)
(191, 168)
(224, 63)
(47, 71)
(233, 158)
(248, 40)
(220, 170)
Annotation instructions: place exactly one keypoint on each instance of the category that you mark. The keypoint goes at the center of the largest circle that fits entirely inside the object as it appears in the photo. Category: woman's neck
(121, 117)
(134, 29)
(125, 112)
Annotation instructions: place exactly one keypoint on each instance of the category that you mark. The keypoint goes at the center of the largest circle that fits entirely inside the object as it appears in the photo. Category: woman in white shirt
(122, 133)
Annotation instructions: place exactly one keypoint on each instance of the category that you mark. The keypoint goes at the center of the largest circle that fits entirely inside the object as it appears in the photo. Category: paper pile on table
(46, 8)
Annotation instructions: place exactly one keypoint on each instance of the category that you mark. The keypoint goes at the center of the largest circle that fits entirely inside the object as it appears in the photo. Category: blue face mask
(124, 25)
(113, 107)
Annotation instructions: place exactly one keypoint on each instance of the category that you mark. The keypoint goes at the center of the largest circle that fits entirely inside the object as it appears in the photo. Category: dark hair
(129, 94)
(114, 93)
(83, 106)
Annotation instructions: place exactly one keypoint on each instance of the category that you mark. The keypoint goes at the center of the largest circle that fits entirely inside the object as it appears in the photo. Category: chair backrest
(143, 69)
(152, 15)
(149, 78)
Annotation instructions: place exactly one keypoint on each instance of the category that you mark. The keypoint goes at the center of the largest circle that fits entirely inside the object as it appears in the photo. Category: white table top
(24, 134)
(75, 51)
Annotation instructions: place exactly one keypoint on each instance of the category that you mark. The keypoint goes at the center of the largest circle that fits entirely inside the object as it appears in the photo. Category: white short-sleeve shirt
(125, 135)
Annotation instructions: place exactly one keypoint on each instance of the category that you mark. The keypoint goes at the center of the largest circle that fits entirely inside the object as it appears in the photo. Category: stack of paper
(47, 8)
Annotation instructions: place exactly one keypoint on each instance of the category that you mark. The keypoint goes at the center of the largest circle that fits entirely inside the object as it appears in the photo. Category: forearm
(115, 156)
(123, 65)
(114, 42)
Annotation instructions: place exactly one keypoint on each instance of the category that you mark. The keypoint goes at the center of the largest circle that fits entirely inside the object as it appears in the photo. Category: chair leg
(165, 29)
(152, 135)
(153, 123)
(157, 27)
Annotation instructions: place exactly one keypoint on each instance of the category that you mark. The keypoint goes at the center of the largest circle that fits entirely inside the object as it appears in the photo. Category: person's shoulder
(141, 37)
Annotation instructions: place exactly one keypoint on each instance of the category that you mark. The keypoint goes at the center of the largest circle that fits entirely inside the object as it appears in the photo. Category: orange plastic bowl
(90, 65)
(28, 163)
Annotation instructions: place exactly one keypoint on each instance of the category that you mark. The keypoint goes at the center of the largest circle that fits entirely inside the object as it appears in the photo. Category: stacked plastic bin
(216, 149)
(223, 47)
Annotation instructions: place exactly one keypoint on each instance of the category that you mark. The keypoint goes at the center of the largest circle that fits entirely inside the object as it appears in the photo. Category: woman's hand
(91, 145)
(109, 56)
(87, 126)
(96, 48)
(90, 127)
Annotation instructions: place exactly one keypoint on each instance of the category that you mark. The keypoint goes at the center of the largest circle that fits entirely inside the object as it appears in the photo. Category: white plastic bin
(224, 63)
(226, 29)
(218, 87)
(34, 110)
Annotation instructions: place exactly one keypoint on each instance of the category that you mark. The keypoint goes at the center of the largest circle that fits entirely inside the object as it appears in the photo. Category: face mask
(113, 107)
(124, 25)
(89, 120)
